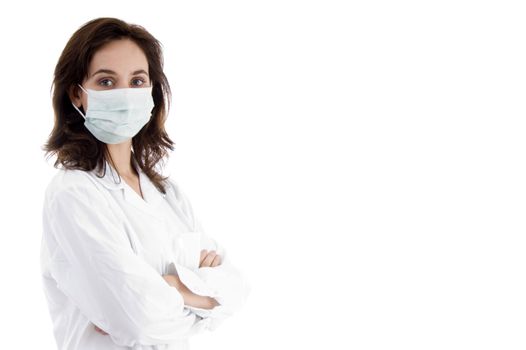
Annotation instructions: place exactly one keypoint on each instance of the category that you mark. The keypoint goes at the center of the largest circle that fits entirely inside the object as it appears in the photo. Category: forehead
(122, 56)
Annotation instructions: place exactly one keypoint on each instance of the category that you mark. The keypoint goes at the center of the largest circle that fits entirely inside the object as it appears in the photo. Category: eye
(138, 81)
(106, 82)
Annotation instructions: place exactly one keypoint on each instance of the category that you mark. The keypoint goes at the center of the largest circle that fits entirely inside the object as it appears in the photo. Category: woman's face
(118, 64)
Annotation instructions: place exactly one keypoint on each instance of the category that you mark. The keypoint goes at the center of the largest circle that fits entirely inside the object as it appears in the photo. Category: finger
(216, 261)
(204, 252)
(202, 257)
(208, 260)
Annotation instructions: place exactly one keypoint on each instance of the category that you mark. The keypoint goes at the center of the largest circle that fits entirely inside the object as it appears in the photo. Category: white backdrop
(363, 162)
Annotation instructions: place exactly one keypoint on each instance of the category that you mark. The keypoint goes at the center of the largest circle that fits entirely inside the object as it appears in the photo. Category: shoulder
(176, 194)
(172, 188)
(175, 191)
(71, 182)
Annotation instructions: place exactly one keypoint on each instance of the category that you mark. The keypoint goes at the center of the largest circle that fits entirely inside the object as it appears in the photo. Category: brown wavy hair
(70, 140)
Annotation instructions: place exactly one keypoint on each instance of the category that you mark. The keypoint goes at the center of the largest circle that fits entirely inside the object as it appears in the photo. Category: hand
(174, 281)
(100, 330)
(209, 259)
(189, 297)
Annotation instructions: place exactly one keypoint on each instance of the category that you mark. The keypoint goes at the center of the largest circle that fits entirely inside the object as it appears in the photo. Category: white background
(363, 162)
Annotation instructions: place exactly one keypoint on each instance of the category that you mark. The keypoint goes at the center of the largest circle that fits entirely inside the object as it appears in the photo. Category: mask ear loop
(83, 116)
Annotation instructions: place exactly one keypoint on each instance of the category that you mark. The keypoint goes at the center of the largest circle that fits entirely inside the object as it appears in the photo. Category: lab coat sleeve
(95, 266)
(226, 283)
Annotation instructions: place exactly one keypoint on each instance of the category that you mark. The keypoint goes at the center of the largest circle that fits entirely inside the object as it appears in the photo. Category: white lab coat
(104, 251)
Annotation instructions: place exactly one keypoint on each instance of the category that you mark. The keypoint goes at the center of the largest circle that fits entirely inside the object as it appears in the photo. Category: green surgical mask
(116, 115)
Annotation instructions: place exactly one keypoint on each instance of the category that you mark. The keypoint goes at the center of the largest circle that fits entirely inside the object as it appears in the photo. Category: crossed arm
(207, 259)
(190, 298)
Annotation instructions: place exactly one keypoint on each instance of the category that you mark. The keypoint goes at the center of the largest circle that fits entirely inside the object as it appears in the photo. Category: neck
(120, 154)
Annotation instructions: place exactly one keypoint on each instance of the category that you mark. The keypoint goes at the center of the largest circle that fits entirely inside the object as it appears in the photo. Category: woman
(125, 263)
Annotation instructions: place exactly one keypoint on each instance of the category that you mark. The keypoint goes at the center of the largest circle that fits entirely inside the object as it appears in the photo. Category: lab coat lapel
(149, 205)
(152, 197)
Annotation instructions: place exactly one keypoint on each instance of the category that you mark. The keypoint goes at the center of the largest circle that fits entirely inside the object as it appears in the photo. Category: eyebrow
(109, 71)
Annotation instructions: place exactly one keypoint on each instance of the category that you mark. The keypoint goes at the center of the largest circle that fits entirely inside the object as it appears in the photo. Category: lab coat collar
(110, 178)
(151, 195)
